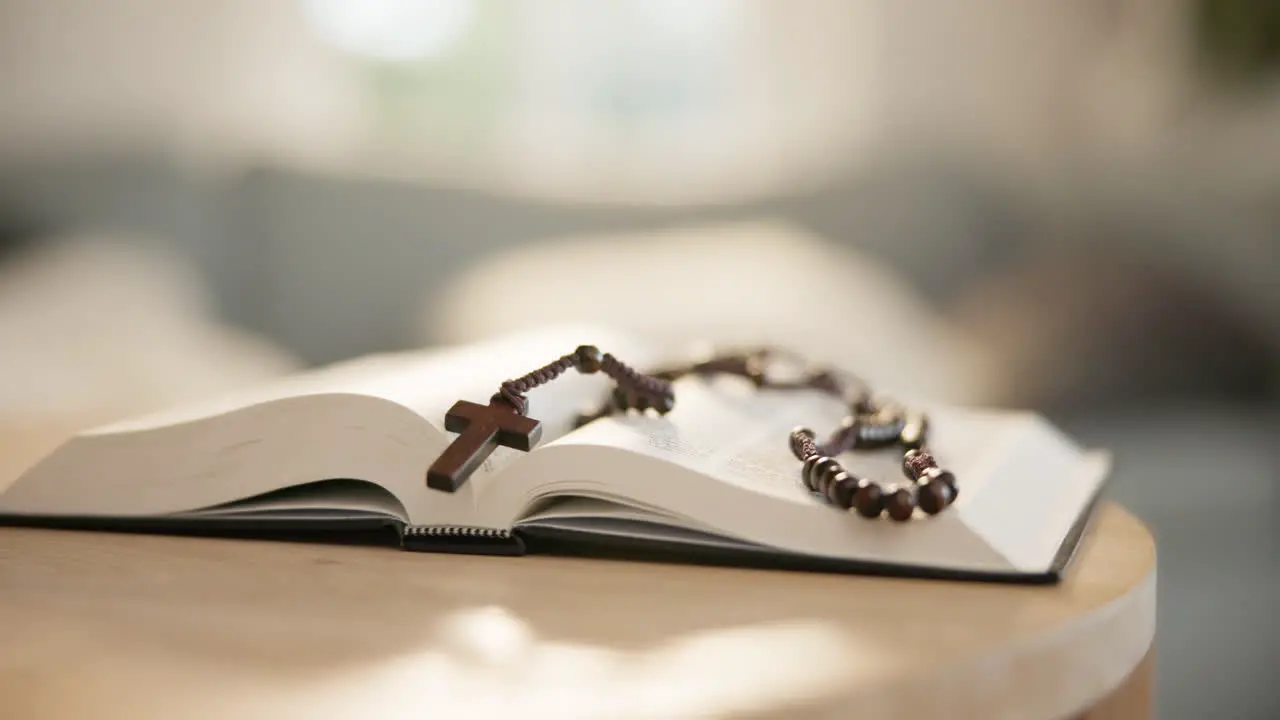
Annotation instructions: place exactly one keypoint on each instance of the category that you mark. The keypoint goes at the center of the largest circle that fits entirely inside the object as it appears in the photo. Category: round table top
(141, 626)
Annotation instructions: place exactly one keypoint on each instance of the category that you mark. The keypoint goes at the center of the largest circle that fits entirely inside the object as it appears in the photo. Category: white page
(430, 381)
(327, 423)
(727, 429)
(354, 498)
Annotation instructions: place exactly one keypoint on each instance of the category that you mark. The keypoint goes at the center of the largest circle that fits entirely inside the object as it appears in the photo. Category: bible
(347, 447)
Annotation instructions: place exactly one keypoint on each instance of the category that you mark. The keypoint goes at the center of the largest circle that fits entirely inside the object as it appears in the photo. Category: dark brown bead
(950, 479)
(944, 476)
(665, 403)
(806, 471)
(933, 496)
(823, 471)
(900, 504)
(868, 499)
(588, 358)
(828, 480)
(842, 490)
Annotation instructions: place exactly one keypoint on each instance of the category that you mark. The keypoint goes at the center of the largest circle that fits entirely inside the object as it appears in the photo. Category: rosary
(868, 425)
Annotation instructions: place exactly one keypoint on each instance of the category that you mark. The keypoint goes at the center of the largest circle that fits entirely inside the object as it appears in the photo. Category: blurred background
(1066, 205)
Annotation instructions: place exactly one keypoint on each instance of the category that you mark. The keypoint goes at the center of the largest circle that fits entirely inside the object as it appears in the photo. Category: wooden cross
(482, 428)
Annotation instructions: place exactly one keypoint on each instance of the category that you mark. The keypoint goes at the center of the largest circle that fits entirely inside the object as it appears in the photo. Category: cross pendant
(482, 428)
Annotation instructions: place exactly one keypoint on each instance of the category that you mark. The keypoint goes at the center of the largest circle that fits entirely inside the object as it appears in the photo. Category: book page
(430, 381)
(327, 423)
(724, 428)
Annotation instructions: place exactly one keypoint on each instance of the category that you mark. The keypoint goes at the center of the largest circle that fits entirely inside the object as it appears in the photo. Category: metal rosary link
(504, 421)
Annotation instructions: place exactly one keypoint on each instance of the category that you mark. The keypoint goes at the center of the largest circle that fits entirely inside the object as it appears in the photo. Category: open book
(348, 446)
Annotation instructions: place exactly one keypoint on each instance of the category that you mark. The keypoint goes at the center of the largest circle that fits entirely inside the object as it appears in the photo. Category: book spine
(461, 539)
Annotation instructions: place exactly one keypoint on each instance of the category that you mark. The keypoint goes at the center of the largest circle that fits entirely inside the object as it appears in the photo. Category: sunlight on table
(491, 664)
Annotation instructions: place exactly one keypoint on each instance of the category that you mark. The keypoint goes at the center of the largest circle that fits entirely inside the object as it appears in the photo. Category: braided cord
(642, 391)
(513, 391)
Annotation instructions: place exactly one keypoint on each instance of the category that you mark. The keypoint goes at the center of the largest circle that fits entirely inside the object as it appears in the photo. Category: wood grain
(133, 626)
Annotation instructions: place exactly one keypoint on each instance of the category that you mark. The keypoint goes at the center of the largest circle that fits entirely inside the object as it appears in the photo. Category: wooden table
(121, 626)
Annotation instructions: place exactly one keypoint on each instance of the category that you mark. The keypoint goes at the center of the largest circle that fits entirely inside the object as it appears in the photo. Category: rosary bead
(901, 503)
(916, 463)
(806, 472)
(869, 423)
(937, 474)
(841, 490)
(868, 499)
(945, 476)
(823, 471)
(801, 442)
(588, 358)
(879, 431)
(933, 495)
(827, 480)
(665, 403)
